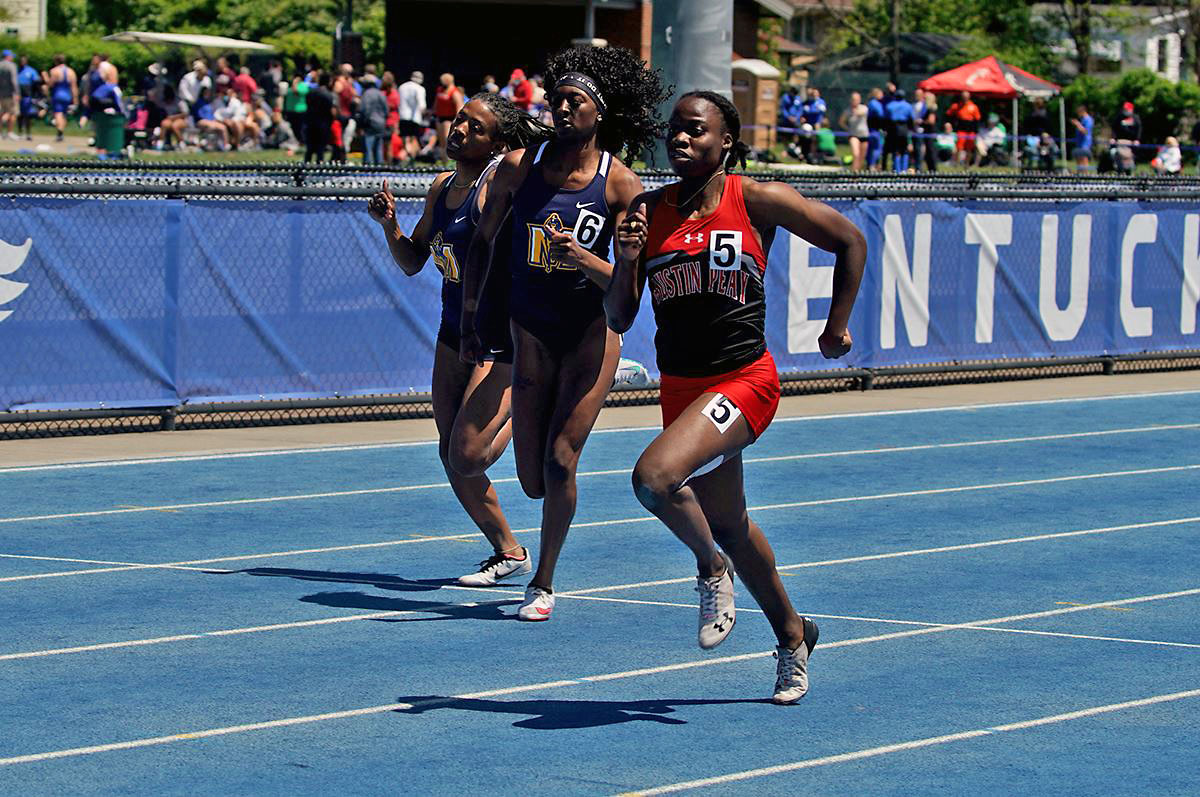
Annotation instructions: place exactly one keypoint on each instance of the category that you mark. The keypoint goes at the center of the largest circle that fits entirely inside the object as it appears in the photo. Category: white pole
(1016, 132)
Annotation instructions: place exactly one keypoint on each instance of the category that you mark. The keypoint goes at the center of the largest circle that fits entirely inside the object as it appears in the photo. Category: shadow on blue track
(380, 580)
(555, 715)
(445, 611)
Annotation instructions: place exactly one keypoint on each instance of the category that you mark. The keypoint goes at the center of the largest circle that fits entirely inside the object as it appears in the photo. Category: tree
(987, 27)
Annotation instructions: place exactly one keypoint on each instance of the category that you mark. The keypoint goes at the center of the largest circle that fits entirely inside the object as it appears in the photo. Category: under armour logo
(12, 257)
(725, 622)
(697, 238)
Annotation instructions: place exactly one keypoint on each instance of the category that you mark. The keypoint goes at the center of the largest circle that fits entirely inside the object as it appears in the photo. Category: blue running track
(1009, 601)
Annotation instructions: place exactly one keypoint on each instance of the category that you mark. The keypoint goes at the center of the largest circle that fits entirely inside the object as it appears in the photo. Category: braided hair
(733, 125)
(517, 128)
(632, 91)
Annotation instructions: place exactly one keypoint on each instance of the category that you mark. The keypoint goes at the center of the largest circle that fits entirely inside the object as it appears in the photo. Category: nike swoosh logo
(501, 351)
(540, 610)
(581, 205)
(460, 220)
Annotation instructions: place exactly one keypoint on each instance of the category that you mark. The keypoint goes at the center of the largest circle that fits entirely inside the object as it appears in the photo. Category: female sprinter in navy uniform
(565, 198)
(701, 243)
(470, 402)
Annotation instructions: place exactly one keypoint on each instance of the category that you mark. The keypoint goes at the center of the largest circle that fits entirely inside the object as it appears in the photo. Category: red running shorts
(753, 389)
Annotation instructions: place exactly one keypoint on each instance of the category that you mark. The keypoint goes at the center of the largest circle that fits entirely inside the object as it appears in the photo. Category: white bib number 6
(722, 412)
(725, 250)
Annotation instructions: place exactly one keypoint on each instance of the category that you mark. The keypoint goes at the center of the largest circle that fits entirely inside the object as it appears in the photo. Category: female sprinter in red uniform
(470, 402)
(565, 198)
(701, 243)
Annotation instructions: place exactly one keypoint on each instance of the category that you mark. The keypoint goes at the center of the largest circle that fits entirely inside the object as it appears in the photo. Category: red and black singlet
(706, 280)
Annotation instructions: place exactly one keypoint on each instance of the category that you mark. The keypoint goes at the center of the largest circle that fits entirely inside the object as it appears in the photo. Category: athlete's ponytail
(733, 125)
(517, 128)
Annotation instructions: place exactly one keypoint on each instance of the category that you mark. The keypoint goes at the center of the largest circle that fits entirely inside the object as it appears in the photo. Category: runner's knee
(654, 483)
(469, 454)
(560, 464)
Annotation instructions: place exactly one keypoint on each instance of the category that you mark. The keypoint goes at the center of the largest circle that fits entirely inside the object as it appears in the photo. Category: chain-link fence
(89, 181)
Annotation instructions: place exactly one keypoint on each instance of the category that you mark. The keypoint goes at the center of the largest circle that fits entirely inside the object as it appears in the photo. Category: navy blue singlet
(451, 234)
(554, 301)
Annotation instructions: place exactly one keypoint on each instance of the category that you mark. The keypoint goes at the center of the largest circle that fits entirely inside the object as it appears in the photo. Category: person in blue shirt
(876, 124)
(899, 113)
(789, 119)
(1081, 144)
(29, 80)
(812, 115)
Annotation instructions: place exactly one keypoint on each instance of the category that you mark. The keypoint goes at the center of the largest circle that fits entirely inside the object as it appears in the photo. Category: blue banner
(152, 303)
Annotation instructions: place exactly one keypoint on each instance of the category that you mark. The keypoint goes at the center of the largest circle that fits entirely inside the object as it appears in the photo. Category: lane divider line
(361, 712)
(270, 452)
(931, 741)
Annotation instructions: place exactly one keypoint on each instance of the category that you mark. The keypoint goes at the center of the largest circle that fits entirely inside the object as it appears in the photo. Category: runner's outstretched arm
(778, 205)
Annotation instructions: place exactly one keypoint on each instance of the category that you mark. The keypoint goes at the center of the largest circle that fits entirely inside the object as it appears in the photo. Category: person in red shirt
(388, 87)
(447, 102)
(522, 89)
(700, 245)
(966, 116)
(245, 85)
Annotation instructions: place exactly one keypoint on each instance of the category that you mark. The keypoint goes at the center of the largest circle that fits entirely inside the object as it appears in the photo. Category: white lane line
(790, 505)
(916, 552)
(184, 565)
(289, 721)
(511, 595)
(915, 744)
(268, 452)
(620, 471)
(111, 463)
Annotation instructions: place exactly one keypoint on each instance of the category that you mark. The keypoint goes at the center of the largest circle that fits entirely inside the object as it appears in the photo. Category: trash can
(110, 132)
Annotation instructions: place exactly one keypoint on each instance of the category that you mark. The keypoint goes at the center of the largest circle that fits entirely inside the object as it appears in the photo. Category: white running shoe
(495, 569)
(537, 606)
(791, 669)
(630, 373)
(717, 614)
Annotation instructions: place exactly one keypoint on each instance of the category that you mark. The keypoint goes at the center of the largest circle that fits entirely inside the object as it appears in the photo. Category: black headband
(584, 84)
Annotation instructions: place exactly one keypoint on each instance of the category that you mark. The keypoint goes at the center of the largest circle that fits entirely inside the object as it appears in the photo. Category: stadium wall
(157, 303)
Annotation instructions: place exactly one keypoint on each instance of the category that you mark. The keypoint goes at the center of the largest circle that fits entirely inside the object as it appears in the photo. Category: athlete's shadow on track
(557, 715)
(381, 580)
(489, 610)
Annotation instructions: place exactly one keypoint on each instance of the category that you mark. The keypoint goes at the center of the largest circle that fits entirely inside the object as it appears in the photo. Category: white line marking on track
(272, 452)
(915, 744)
(511, 595)
(789, 505)
(184, 565)
(360, 712)
(918, 552)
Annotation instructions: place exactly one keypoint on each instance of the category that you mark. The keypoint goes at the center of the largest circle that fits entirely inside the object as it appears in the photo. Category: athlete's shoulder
(651, 198)
(758, 192)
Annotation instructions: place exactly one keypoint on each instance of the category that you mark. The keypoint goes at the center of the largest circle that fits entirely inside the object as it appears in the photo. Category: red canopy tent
(991, 78)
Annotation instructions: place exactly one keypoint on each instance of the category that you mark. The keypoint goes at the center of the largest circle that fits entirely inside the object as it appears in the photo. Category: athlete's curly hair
(632, 93)
(517, 128)
(733, 125)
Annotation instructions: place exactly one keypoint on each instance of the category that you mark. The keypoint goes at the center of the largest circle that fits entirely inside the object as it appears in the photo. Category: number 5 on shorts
(721, 412)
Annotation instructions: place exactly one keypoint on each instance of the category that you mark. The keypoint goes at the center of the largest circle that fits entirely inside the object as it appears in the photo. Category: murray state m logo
(12, 258)
(539, 244)
(444, 259)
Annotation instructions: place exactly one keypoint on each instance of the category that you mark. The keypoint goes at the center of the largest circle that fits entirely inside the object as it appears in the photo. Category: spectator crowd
(891, 132)
(213, 106)
(327, 113)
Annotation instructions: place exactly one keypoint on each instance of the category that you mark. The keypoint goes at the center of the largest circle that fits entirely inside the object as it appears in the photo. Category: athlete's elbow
(619, 318)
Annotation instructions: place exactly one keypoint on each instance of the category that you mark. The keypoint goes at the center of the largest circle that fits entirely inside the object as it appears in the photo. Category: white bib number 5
(721, 412)
(725, 250)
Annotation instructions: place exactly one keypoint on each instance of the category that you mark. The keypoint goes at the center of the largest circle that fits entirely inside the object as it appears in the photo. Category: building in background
(25, 19)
